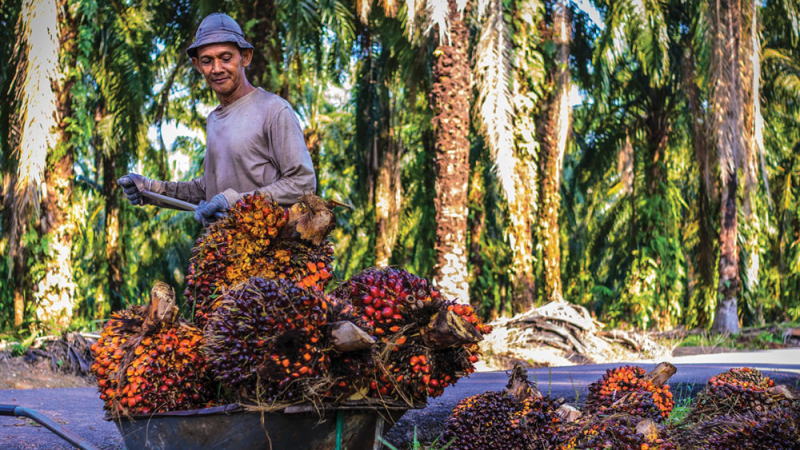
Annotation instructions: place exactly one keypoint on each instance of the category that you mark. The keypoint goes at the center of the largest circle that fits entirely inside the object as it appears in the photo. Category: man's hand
(209, 211)
(132, 184)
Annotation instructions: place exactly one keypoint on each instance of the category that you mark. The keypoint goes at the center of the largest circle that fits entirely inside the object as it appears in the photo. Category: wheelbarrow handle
(14, 410)
(169, 201)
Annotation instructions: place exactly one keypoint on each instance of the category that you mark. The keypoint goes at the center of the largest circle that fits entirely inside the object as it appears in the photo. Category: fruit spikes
(777, 428)
(618, 431)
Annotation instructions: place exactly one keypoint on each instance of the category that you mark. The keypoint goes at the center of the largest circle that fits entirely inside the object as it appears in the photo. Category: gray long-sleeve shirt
(254, 144)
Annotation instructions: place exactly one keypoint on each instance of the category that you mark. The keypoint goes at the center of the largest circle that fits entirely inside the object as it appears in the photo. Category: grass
(770, 337)
(680, 411)
(416, 444)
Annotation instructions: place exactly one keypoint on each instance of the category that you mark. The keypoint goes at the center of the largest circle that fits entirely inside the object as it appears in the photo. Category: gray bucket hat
(217, 28)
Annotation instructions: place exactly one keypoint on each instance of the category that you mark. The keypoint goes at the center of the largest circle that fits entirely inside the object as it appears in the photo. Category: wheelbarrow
(232, 427)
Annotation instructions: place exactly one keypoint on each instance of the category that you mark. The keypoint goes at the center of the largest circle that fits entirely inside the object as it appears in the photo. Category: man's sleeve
(297, 176)
(189, 191)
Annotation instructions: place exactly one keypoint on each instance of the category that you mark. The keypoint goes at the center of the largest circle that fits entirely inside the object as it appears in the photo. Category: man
(254, 140)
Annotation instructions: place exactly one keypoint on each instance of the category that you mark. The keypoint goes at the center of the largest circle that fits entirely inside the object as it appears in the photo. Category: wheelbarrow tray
(233, 427)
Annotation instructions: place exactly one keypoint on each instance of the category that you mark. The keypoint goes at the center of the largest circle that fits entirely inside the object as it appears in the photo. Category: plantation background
(637, 157)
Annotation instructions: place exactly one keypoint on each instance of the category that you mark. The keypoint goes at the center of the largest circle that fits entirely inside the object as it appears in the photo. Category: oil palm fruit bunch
(264, 339)
(246, 244)
(148, 361)
(416, 329)
(630, 389)
(518, 417)
(404, 372)
(167, 373)
(777, 428)
(389, 299)
(738, 390)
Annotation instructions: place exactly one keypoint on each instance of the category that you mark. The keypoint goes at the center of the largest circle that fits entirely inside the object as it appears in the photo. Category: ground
(79, 409)
(15, 373)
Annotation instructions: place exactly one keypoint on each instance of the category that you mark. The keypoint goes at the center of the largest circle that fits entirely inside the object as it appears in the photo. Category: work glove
(209, 211)
(132, 184)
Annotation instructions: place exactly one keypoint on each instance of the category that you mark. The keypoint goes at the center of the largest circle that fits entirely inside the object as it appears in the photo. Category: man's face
(222, 65)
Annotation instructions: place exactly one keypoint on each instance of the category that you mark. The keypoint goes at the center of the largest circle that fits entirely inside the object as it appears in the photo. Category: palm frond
(492, 70)
(438, 16)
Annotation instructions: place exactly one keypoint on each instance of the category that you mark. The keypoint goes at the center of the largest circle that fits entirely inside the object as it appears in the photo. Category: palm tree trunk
(450, 101)
(727, 131)
(265, 70)
(43, 96)
(754, 141)
(388, 194)
(703, 153)
(113, 233)
(528, 75)
(555, 145)
(701, 272)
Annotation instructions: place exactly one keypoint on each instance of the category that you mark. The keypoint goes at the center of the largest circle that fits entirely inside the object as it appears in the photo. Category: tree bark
(554, 148)
(450, 101)
(54, 294)
(527, 76)
(703, 154)
(113, 234)
(728, 124)
(754, 146)
(388, 195)
(266, 68)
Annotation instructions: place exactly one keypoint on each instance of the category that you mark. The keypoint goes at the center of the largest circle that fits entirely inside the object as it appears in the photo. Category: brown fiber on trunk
(522, 209)
(726, 106)
(450, 101)
(555, 144)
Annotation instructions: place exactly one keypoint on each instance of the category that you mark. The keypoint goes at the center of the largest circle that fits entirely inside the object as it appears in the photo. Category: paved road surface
(79, 409)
